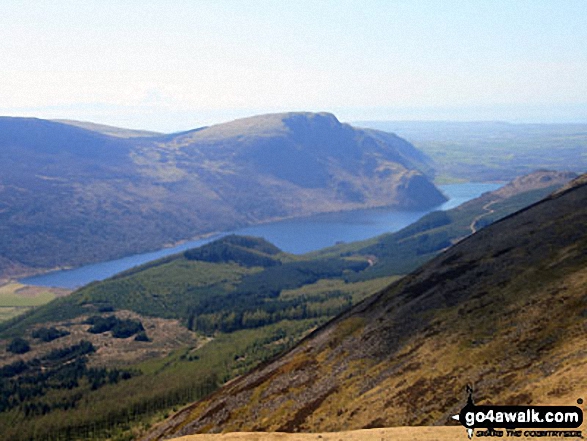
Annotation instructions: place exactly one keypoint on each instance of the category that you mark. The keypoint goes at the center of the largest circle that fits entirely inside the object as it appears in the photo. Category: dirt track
(456, 433)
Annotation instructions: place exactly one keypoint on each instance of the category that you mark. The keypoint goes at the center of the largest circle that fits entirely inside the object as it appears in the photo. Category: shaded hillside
(69, 195)
(503, 310)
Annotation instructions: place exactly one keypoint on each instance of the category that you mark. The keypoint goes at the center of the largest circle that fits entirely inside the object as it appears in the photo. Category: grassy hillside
(71, 194)
(168, 371)
(200, 319)
(503, 310)
(16, 299)
(493, 150)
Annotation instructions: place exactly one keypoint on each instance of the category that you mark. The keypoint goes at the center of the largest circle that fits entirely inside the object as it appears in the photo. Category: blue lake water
(300, 235)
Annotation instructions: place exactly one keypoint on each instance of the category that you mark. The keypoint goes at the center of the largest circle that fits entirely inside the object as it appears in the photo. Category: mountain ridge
(109, 130)
(70, 196)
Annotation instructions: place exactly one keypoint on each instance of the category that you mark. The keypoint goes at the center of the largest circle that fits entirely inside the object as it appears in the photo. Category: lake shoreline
(293, 234)
(213, 234)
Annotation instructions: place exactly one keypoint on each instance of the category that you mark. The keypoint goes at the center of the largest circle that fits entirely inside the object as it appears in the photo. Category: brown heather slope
(504, 310)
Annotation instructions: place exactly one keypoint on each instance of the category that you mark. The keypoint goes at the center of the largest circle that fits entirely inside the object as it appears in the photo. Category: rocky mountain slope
(503, 310)
(69, 195)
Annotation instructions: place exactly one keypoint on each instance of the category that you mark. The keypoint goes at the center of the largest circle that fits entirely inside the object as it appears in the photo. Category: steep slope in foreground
(503, 310)
(69, 195)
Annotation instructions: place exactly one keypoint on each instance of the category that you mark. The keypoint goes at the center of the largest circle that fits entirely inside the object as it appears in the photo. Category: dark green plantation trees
(31, 386)
(121, 328)
(49, 334)
(257, 302)
(18, 346)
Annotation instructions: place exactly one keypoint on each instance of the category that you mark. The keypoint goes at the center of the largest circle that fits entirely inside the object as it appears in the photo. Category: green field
(12, 304)
(8, 312)
(9, 297)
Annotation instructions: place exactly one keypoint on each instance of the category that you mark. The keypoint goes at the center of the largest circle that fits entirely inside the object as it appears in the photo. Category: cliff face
(503, 310)
(69, 195)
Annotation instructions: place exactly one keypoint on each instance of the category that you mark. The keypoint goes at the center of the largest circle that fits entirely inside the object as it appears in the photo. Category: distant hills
(109, 130)
(486, 150)
(73, 193)
(502, 310)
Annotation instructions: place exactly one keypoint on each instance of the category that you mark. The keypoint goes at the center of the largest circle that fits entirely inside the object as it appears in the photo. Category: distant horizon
(179, 123)
(173, 66)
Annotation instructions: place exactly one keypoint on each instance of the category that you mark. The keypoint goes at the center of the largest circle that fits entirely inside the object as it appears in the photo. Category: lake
(298, 236)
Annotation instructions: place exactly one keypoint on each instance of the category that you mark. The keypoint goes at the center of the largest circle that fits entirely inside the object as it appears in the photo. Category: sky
(176, 65)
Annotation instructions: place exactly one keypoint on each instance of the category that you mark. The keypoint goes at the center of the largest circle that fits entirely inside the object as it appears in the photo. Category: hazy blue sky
(172, 65)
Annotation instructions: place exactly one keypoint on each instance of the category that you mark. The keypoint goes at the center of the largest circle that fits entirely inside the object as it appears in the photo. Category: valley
(227, 306)
(16, 298)
(296, 236)
(293, 220)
